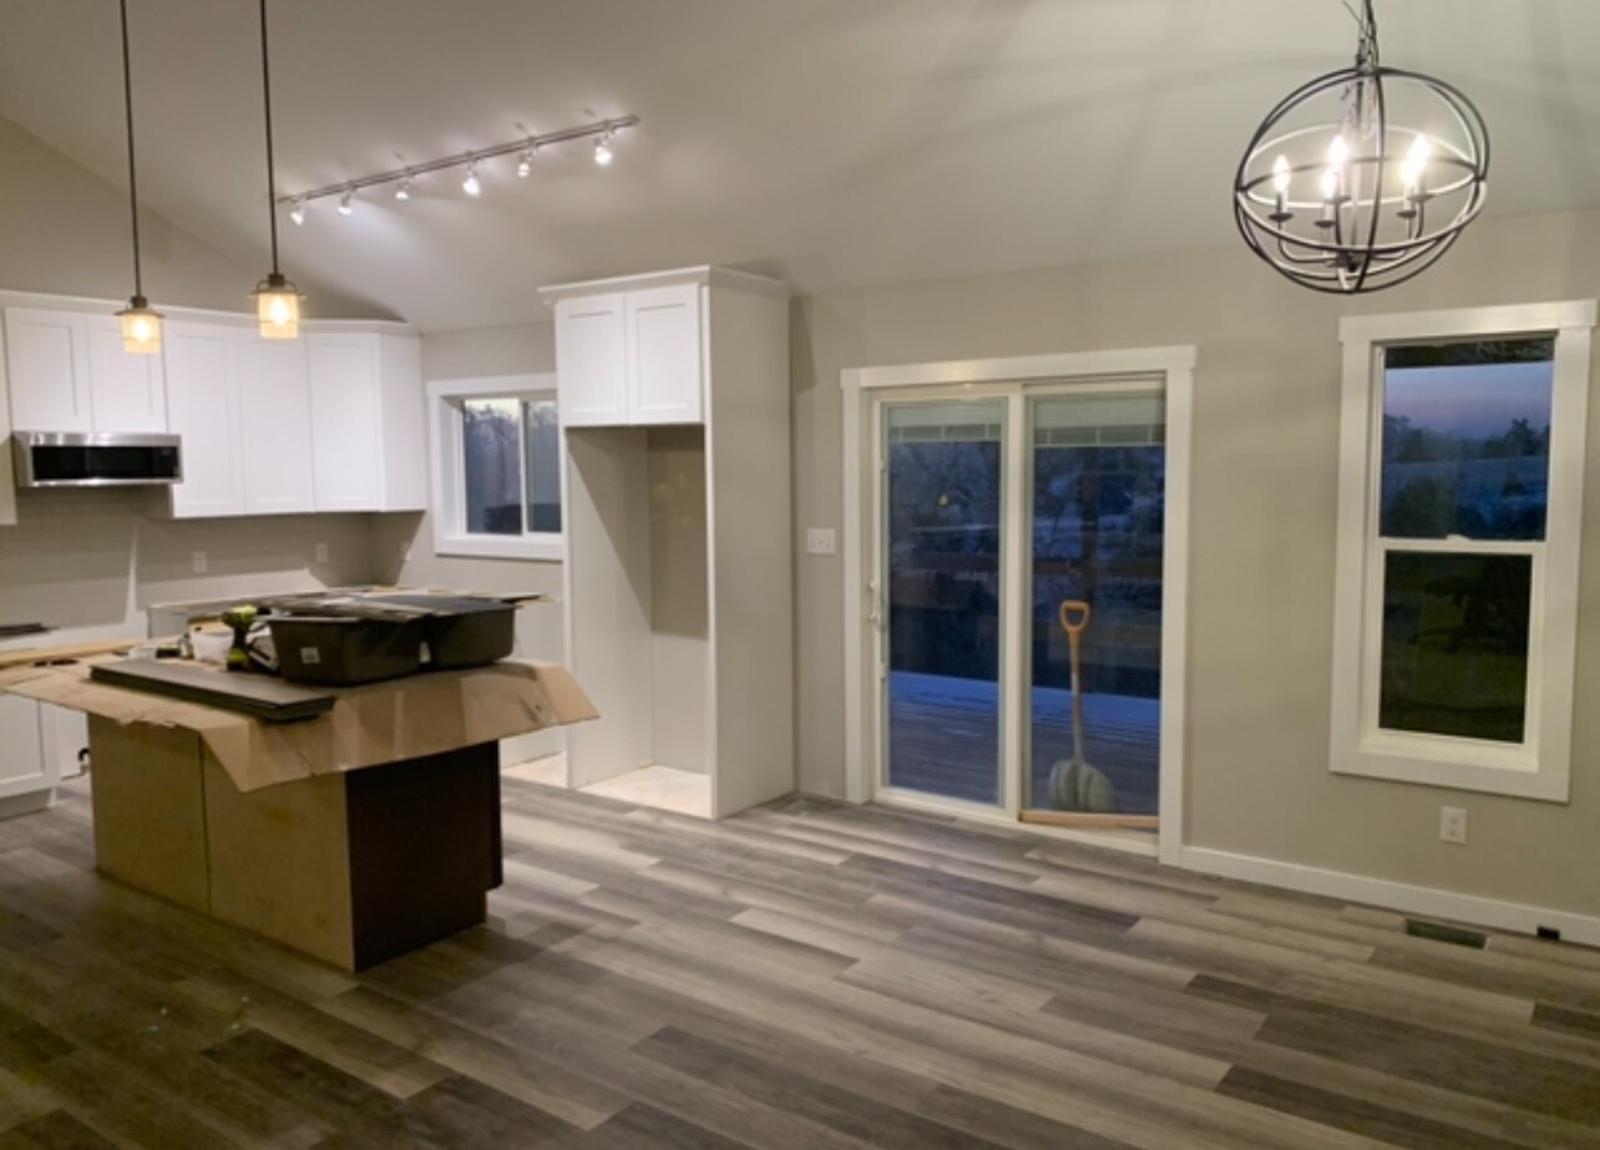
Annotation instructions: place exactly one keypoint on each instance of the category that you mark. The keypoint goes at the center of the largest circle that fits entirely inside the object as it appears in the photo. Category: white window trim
(450, 536)
(1539, 768)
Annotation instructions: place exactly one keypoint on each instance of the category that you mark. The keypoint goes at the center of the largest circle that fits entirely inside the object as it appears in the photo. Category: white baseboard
(1419, 900)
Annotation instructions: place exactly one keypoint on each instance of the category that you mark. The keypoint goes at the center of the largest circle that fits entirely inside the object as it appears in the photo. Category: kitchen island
(354, 836)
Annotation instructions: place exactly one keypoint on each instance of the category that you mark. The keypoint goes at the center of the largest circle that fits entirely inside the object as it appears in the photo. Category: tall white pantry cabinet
(674, 398)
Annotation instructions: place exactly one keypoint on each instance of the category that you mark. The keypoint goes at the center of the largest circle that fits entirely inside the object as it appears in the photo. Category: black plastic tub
(462, 632)
(339, 651)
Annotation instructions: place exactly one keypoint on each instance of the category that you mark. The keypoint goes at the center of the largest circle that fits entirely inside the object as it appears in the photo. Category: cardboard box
(352, 837)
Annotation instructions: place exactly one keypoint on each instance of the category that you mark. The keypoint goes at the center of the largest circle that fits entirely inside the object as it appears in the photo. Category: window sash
(458, 463)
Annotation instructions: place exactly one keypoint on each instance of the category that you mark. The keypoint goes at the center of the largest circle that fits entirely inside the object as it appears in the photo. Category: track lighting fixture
(141, 324)
(347, 204)
(297, 214)
(526, 148)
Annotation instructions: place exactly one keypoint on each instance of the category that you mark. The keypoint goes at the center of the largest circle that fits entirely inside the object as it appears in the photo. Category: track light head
(347, 205)
(525, 164)
(403, 192)
(297, 214)
(602, 150)
(472, 185)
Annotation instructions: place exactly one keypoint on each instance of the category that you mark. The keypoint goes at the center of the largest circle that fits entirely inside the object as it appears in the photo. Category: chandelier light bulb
(347, 204)
(1280, 175)
(1330, 183)
(602, 150)
(1416, 162)
(297, 214)
(1338, 151)
(472, 185)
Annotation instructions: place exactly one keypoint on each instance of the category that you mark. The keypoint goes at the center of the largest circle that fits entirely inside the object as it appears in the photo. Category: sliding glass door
(1097, 510)
(1051, 497)
(942, 469)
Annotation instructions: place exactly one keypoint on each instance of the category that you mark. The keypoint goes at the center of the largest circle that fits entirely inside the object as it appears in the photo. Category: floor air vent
(1441, 933)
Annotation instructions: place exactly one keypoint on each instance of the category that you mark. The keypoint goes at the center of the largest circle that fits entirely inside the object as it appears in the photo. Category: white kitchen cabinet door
(346, 422)
(592, 361)
(64, 738)
(203, 410)
(127, 392)
(664, 355)
(46, 365)
(275, 426)
(23, 768)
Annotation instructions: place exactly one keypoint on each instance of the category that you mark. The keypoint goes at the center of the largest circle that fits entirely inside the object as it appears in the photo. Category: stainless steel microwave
(90, 459)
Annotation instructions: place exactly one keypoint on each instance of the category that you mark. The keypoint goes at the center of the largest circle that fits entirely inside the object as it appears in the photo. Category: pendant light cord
(133, 182)
(266, 96)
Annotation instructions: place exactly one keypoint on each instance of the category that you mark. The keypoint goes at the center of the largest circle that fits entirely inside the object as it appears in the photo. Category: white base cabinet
(676, 510)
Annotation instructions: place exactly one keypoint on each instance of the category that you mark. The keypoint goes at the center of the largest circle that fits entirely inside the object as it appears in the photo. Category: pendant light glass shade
(141, 327)
(278, 308)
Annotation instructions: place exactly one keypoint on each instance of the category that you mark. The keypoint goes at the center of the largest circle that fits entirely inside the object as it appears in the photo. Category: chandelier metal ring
(1368, 227)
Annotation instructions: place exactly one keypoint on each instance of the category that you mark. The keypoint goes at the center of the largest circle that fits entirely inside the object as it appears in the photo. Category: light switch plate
(1453, 825)
(821, 541)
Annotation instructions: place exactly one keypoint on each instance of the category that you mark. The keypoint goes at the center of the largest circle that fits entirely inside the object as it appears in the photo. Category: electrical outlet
(322, 553)
(1453, 825)
(199, 562)
(821, 541)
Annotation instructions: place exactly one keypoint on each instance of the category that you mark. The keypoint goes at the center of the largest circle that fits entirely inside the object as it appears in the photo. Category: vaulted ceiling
(837, 142)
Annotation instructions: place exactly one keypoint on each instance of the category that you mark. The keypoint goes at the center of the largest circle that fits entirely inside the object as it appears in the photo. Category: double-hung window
(1461, 474)
(496, 467)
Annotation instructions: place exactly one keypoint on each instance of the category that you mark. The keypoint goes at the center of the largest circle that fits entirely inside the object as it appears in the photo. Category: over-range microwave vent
(85, 459)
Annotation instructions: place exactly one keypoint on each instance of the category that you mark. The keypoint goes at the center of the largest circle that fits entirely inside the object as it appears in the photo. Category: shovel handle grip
(1074, 616)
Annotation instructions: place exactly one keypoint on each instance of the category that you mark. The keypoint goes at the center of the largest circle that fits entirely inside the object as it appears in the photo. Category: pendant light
(1363, 177)
(141, 325)
(277, 299)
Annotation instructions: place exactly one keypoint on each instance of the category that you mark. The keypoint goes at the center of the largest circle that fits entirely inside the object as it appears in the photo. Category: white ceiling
(837, 142)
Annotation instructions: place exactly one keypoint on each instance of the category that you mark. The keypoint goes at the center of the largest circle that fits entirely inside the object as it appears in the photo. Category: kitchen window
(497, 467)
(1461, 470)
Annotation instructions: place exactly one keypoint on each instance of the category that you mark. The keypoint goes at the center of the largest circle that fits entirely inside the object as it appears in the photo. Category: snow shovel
(1074, 784)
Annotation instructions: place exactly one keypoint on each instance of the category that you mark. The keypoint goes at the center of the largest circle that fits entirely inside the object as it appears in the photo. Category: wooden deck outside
(944, 739)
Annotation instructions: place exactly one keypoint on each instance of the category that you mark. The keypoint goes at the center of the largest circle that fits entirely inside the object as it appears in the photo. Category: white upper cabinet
(126, 392)
(68, 372)
(333, 421)
(665, 370)
(631, 351)
(592, 359)
(275, 425)
(203, 410)
(48, 371)
(368, 444)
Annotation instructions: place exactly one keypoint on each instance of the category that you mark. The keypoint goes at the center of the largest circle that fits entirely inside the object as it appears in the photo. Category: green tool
(241, 618)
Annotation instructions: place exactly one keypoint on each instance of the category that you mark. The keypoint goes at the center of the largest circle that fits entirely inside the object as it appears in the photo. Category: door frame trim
(859, 386)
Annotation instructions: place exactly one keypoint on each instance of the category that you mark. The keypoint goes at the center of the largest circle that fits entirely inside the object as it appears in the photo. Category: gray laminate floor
(809, 975)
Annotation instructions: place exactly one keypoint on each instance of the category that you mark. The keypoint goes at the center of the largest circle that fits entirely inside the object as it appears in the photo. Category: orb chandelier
(1361, 178)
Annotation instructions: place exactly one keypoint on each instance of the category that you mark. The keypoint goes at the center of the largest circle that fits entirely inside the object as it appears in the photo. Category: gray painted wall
(1261, 582)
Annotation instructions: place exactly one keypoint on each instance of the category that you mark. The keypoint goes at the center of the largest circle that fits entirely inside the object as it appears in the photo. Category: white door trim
(1175, 365)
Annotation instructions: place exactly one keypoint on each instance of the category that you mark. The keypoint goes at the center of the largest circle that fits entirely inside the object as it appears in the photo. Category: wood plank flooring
(807, 975)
